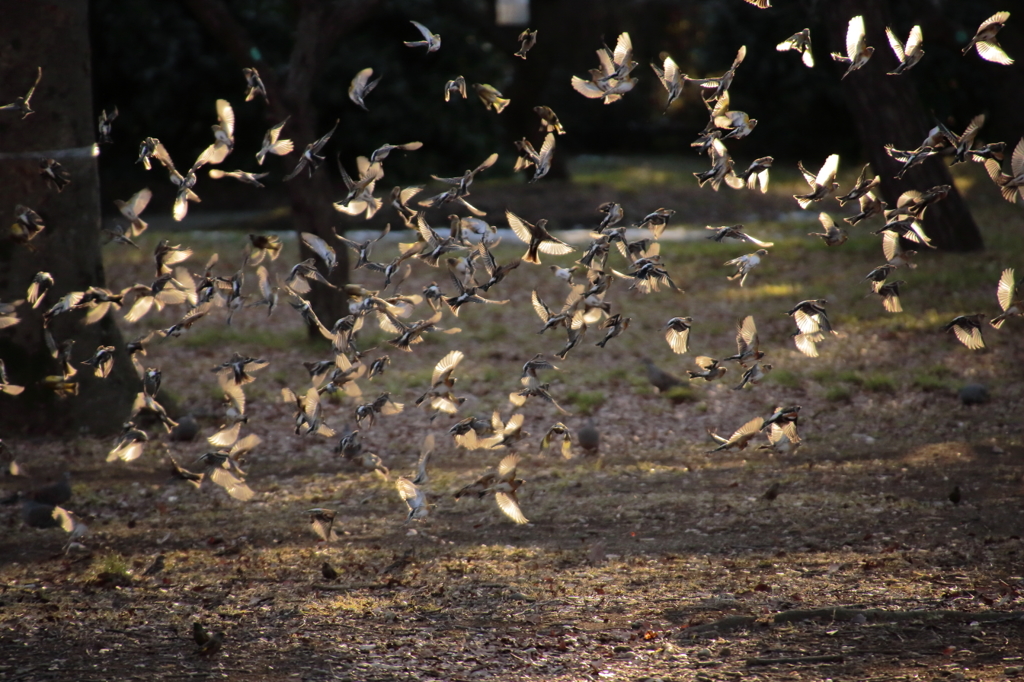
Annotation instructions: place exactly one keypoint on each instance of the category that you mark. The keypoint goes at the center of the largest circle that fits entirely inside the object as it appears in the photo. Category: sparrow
(415, 499)
(801, 43)
(721, 168)
(133, 208)
(236, 370)
(984, 41)
(363, 248)
(490, 97)
(382, 152)
(311, 155)
(603, 86)
(168, 289)
(657, 221)
(119, 234)
(104, 125)
(671, 78)
(129, 444)
(1004, 294)
(541, 161)
(747, 342)
(152, 148)
(878, 276)
(254, 85)
(223, 133)
(821, 184)
(55, 174)
(895, 254)
(834, 235)
(263, 246)
(736, 232)
(659, 378)
(909, 54)
(890, 293)
(810, 316)
(495, 272)
(741, 438)
(22, 104)
(861, 187)
(754, 375)
(721, 84)
(782, 439)
(527, 39)
(321, 522)
(549, 122)
(159, 563)
(5, 385)
(322, 249)
(964, 142)
(870, 205)
(615, 325)
(677, 334)
(359, 198)
(166, 255)
(503, 484)
(408, 334)
(102, 361)
(431, 41)
(41, 283)
(576, 329)
(186, 182)
(536, 237)
(967, 329)
(456, 85)
(1010, 186)
(757, 173)
(308, 412)
(909, 158)
(248, 178)
(857, 51)
(440, 395)
(558, 429)
(328, 572)
(361, 86)
(150, 405)
(27, 226)
(744, 264)
(273, 145)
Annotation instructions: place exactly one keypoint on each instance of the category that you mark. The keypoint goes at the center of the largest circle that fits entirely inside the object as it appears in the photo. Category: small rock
(974, 394)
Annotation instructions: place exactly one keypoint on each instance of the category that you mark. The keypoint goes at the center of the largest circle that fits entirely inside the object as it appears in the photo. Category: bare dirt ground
(653, 560)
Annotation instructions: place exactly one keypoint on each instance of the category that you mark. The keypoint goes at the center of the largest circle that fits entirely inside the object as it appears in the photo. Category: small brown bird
(984, 40)
(821, 184)
(328, 572)
(857, 50)
(537, 237)
(709, 369)
(834, 235)
(1004, 294)
(741, 438)
(677, 334)
(967, 329)
(527, 39)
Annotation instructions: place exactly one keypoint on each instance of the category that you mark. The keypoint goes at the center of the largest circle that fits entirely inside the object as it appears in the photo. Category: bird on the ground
(328, 572)
(857, 50)
(589, 437)
(799, 42)
(909, 54)
(159, 563)
(659, 378)
(55, 493)
(431, 41)
(984, 40)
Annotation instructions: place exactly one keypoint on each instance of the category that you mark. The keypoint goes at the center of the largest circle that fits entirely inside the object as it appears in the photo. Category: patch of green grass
(585, 401)
(681, 394)
(927, 382)
(786, 378)
(838, 394)
(880, 383)
(224, 335)
(113, 564)
(850, 376)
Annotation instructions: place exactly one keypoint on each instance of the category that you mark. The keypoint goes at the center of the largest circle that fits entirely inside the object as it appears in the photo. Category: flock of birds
(465, 253)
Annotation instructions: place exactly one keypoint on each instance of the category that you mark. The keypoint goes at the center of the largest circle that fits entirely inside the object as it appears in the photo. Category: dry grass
(624, 552)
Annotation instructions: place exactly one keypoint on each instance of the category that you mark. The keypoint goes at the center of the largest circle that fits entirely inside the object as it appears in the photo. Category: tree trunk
(55, 36)
(887, 110)
(320, 25)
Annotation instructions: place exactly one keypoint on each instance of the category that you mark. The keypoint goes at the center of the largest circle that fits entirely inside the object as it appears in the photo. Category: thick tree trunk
(55, 36)
(887, 110)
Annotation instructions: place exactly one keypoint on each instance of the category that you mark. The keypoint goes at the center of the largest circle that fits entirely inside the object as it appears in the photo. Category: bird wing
(914, 40)
(992, 52)
(422, 29)
(523, 230)
(586, 88)
(1004, 292)
(855, 37)
(446, 365)
(510, 507)
(895, 44)
(746, 335)
(828, 171)
(751, 427)
(226, 116)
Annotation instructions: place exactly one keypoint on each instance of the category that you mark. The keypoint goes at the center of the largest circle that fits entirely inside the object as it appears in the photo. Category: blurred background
(163, 66)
